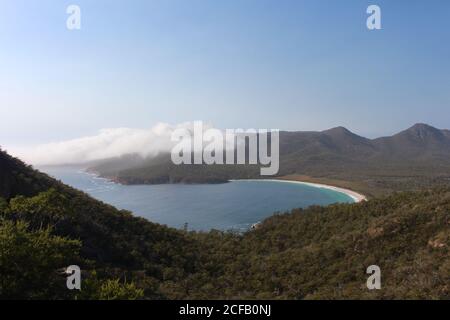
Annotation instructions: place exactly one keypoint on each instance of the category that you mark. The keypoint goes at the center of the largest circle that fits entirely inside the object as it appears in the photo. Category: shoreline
(357, 197)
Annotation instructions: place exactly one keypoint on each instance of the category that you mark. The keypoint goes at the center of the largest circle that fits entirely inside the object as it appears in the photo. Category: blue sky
(292, 65)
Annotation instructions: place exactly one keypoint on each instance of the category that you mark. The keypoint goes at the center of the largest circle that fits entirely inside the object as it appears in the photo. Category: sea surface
(231, 206)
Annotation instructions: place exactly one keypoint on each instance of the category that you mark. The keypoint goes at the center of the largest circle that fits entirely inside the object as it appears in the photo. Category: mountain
(336, 142)
(313, 253)
(420, 143)
(373, 166)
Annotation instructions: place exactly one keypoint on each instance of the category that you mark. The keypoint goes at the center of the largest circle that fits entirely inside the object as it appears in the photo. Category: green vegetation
(413, 159)
(319, 252)
(29, 261)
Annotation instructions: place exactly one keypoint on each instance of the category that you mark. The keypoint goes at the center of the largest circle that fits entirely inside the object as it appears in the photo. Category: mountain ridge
(385, 163)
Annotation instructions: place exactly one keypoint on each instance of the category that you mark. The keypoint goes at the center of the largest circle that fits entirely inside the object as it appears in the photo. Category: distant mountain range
(336, 155)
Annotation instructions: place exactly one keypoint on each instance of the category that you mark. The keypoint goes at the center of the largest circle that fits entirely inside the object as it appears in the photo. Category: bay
(236, 205)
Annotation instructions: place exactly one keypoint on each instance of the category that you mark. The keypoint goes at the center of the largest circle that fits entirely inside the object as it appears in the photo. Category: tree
(30, 260)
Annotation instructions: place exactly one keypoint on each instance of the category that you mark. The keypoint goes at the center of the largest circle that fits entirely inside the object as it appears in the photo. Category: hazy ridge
(373, 166)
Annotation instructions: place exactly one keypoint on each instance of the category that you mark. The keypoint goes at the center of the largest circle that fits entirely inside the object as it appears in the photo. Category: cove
(236, 205)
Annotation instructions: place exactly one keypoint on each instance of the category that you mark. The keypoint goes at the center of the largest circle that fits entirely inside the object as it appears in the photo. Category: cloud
(107, 143)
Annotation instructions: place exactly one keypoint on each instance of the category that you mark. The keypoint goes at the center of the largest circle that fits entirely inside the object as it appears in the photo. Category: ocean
(236, 205)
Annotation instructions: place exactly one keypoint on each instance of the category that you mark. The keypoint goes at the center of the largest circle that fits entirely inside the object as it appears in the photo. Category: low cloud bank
(108, 143)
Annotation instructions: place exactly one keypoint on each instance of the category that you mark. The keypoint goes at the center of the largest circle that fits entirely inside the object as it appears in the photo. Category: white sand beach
(357, 197)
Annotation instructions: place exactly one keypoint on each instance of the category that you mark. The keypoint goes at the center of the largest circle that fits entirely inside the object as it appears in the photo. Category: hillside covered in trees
(314, 253)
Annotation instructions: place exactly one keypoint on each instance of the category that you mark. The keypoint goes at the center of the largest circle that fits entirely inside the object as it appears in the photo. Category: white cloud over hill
(107, 143)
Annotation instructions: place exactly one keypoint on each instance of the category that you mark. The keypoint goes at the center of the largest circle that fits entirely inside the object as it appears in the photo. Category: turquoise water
(235, 205)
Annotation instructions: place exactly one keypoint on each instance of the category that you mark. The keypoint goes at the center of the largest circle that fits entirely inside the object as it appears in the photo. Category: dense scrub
(319, 252)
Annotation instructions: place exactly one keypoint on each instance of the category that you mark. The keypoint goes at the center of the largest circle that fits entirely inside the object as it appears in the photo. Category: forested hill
(410, 160)
(16, 178)
(109, 243)
(319, 252)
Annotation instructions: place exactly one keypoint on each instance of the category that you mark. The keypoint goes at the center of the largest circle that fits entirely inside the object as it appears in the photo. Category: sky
(289, 65)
